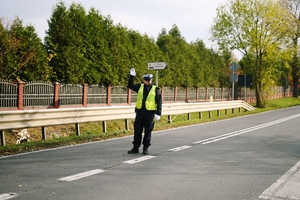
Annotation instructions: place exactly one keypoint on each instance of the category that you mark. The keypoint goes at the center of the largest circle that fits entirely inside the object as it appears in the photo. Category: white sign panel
(157, 65)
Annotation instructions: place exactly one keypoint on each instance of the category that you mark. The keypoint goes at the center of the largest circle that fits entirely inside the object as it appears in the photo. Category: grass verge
(65, 135)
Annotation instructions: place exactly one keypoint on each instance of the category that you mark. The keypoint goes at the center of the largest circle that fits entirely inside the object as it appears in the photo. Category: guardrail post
(20, 95)
(200, 115)
(126, 124)
(104, 126)
(209, 114)
(219, 113)
(56, 95)
(77, 127)
(169, 119)
(85, 93)
(2, 135)
(226, 112)
(44, 133)
(189, 116)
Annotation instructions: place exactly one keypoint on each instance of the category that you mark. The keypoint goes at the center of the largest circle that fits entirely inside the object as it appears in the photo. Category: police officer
(148, 106)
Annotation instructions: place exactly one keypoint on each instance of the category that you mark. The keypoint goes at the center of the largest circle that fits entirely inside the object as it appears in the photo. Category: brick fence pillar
(162, 94)
(215, 94)
(187, 95)
(85, 93)
(108, 100)
(56, 95)
(20, 95)
(175, 94)
(128, 96)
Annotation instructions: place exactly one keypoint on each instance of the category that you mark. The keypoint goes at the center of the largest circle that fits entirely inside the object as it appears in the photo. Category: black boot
(134, 150)
(145, 150)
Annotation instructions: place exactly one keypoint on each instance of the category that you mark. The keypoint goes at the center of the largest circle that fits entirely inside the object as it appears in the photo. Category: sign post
(245, 81)
(233, 76)
(286, 86)
(157, 66)
(245, 88)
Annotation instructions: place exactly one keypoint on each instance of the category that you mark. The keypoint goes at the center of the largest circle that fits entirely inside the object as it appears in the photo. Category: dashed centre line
(81, 175)
(140, 159)
(179, 148)
(280, 189)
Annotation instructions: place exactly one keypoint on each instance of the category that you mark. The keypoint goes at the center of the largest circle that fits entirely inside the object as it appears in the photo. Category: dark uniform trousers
(143, 120)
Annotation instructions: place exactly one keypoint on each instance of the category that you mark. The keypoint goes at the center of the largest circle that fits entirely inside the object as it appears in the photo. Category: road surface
(245, 158)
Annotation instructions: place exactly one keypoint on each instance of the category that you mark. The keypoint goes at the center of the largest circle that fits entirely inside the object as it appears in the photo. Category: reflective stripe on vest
(150, 101)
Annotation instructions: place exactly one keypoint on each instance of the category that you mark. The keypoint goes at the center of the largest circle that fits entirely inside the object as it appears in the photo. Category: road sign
(245, 80)
(233, 78)
(233, 67)
(157, 65)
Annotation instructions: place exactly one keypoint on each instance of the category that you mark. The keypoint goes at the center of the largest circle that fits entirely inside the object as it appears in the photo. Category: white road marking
(179, 148)
(286, 187)
(140, 159)
(7, 196)
(240, 132)
(82, 175)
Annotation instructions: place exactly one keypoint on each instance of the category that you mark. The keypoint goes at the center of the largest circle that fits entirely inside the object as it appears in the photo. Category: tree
(293, 7)
(175, 50)
(97, 50)
(65, 43)
(257, 29)
(22, 54)
(119, 46)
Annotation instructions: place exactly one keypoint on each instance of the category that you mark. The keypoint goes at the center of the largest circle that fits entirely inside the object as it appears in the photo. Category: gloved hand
(157, 117)
(132, 72)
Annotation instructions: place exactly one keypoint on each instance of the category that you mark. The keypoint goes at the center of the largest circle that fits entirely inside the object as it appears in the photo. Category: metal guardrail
(49, 117)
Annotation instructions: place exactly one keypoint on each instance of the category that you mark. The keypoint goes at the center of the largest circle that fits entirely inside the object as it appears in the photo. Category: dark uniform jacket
(147, 88)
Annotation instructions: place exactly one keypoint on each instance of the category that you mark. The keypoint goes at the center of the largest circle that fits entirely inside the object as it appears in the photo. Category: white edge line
(81, 175)
(8, 196)
(246, 130)
(268, 193)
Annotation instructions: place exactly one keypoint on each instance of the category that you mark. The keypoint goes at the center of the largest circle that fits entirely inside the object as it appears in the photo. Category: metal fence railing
(8, 94)
(70, 94)
(119, 95)
(44, 94)
(97, 94)
(38, 94)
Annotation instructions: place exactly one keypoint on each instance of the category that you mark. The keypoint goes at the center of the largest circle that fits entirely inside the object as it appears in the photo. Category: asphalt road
(251, 157)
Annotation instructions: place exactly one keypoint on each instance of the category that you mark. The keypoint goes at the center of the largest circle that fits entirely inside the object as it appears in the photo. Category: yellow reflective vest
(150, 101)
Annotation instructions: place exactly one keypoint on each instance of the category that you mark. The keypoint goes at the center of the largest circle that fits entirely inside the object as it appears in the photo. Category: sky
(193, 17)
